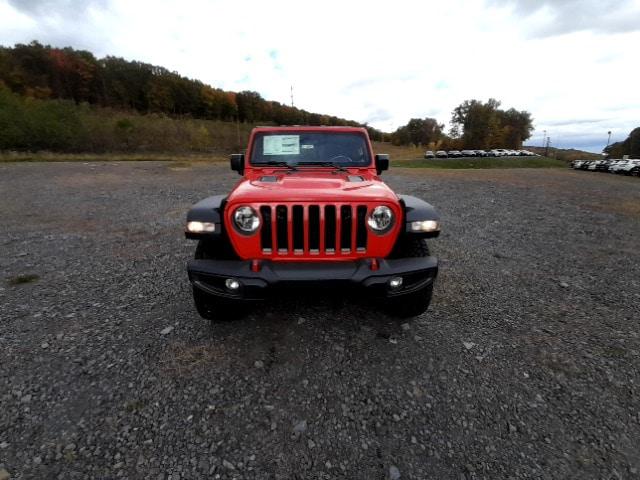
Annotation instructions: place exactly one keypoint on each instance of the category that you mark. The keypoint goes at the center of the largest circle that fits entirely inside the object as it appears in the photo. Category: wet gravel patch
(525, 366)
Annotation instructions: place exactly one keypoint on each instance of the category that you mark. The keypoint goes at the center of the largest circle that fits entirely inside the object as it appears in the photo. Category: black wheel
(209, 306)
(415, 303)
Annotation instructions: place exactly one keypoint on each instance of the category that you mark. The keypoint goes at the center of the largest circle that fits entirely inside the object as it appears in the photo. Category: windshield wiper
(325, 164)
(274, 163)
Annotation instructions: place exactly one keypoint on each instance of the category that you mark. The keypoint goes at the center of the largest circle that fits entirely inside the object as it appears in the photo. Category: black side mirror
(382, 162)
(237, 162)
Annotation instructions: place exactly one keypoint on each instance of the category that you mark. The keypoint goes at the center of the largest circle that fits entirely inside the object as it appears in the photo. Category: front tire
(414, 303)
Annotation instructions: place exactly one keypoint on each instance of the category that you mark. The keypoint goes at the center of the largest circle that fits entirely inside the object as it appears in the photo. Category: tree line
(44, 72)
(32, 124)
(474, 125)
(55, 97)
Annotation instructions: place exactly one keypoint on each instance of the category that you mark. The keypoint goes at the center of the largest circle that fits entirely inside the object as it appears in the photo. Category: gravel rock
(113, 391)
(166, 330)
(394, 473)
(300, 427)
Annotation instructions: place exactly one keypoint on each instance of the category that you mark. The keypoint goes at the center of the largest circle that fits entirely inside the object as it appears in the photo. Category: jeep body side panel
(208, 210)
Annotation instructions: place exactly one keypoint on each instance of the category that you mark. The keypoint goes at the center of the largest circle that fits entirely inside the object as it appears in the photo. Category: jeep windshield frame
(310, 148)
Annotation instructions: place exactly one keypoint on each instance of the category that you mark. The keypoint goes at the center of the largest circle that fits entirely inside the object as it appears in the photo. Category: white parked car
(576, 164)
(616, 165)
(632, 167)
(593, 166)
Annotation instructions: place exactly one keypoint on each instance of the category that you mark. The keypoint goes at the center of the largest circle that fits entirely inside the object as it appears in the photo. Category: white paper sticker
(281, 145)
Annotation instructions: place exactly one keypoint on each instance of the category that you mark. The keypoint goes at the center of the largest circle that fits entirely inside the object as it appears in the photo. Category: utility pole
(608, 139)
(546, 147)
(544, 137)
(292, 96)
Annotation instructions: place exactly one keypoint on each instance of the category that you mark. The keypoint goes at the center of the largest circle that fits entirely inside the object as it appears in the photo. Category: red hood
(269, 186)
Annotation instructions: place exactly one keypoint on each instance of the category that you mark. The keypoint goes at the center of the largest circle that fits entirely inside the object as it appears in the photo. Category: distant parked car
(585, 164)
(481, 153)
(632, 167)
(468, 153)
(429, 154)
(603, 165)
(617, 166)
(500, 152)
(441, 154)
(593, 166)
(454, 154)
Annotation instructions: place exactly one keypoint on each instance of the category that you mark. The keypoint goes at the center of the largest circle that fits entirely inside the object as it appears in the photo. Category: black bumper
(210, 276)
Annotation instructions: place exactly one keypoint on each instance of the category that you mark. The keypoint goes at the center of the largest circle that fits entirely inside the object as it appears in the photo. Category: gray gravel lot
(526, 365)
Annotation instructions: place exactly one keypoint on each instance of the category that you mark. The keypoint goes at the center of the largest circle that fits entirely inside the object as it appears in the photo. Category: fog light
(395, 282)
(232, 284)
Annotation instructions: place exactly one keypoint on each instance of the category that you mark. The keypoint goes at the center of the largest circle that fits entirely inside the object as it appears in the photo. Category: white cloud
(375, 61)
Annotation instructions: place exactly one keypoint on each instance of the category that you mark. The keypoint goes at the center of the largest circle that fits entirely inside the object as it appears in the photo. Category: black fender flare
(209, 210)
(416, 209)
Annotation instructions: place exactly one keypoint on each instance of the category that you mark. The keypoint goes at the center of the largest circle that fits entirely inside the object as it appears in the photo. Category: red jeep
(312, 210)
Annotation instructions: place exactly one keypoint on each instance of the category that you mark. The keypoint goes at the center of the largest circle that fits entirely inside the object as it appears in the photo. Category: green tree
(418, 131)
(485, 125)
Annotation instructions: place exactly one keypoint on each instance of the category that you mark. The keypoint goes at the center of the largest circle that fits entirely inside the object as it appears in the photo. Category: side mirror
(237, 162)
(382, 162)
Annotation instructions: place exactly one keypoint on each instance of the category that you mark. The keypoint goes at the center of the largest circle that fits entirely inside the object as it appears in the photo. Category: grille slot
(314, 229)
(266, 238)
(361, 228)
(282, 235)
(330, 229)
(298, 229)
(345, 228)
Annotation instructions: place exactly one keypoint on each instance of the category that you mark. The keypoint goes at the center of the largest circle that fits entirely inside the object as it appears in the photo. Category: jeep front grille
(313, 229)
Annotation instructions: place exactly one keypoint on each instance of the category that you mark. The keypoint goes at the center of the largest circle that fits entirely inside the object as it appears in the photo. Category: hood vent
(355, 178)
(269, 179)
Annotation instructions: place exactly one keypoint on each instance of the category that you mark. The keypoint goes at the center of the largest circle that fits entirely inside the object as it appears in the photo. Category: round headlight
(380, 219)
(246, 219)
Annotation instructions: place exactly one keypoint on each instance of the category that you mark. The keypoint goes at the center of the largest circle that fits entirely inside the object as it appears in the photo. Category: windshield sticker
(281, 145)
(308, 146)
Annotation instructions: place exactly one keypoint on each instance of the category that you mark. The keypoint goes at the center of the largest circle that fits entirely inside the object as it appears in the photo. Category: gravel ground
(526, 365)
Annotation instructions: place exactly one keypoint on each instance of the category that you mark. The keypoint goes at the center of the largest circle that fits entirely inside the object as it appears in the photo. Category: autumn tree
(40, 71)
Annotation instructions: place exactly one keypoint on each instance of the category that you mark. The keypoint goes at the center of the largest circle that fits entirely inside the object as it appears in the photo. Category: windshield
(346, 149)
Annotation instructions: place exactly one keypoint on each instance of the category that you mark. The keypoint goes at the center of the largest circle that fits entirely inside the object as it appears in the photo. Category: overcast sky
(573, 64)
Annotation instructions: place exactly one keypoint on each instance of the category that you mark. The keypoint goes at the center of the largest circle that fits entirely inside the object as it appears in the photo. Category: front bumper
(210, 275)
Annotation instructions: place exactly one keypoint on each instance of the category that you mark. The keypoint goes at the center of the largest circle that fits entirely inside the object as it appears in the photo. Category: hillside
(565, 154)
(125, 91)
